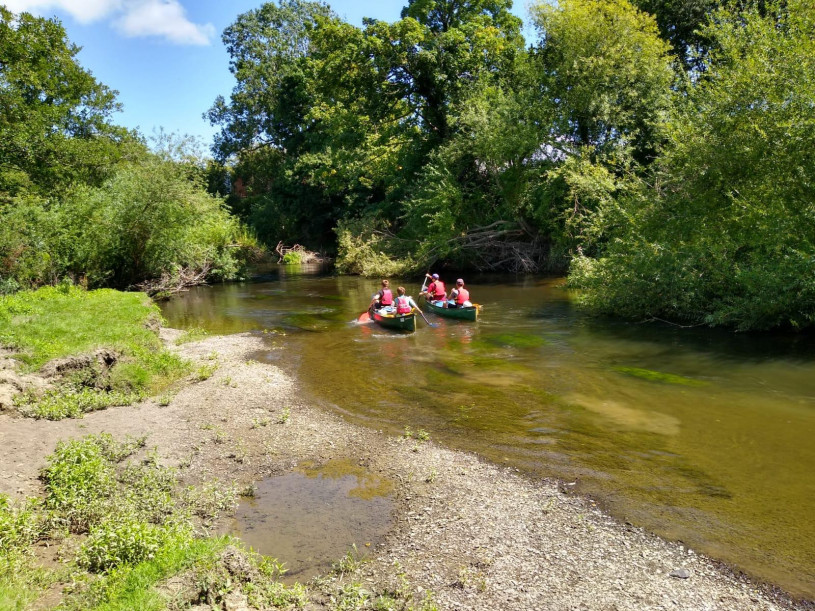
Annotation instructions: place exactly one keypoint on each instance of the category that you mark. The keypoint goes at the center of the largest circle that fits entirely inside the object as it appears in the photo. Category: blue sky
(165, 57)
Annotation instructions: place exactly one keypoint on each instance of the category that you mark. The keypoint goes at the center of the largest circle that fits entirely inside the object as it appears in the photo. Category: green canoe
(470, 313)
(401, 322)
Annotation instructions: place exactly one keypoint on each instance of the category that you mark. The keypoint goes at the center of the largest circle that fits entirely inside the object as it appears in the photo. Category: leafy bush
(20, 524)
(125, 539)
(363, 250)
(291, 258)
(79, 482)
(722, 233)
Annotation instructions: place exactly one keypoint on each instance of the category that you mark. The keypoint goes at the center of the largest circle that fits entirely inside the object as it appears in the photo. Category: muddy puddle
(311, 518)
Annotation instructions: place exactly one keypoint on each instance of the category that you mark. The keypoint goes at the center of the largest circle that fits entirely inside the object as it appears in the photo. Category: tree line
(84, 199)
(659, 152)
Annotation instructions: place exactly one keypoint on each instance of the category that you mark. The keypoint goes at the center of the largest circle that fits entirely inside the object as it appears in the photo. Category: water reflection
(699, 435)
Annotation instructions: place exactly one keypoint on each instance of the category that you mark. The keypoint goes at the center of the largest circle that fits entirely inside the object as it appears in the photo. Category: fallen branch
(177, 281)
(305, 255)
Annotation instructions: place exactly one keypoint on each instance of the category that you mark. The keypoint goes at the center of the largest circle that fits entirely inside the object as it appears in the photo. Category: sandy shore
(472, 535)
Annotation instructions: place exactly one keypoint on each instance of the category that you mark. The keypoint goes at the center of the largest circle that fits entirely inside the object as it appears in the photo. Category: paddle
(364, 317)
(421, 290)
(429, 324)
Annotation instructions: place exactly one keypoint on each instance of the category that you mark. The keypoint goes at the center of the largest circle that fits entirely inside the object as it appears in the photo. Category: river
(699, 435)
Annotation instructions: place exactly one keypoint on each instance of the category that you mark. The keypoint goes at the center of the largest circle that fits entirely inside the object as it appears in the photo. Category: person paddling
(384, 298)
(405, 303)
(459, 296)
(436, 292)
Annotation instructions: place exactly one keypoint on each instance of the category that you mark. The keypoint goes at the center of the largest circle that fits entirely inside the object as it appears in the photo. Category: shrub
(127, 539)
(291, 258)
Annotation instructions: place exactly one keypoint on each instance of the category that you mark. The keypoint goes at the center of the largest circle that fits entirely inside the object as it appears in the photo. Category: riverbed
(699, 435)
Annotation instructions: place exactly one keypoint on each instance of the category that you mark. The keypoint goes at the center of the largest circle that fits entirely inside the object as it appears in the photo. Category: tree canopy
(81, 197)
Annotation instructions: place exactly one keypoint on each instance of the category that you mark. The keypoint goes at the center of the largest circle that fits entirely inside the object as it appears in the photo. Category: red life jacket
(387, 297)
(403, 305)
(439, 290)
(463, 295)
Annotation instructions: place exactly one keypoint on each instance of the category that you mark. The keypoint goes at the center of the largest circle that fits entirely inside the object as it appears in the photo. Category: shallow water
(313, 517)
(699, 435)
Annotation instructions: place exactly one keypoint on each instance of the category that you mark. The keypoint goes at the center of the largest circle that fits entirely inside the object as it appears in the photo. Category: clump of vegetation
(204, 372)
(658, 376)
(63, 321)
(138, 523)
(192, 335)
(71, 403)
(292, 258)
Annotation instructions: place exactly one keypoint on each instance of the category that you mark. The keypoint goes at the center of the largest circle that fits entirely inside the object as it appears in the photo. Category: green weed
(71, 403)
(204, 372)
(658, 376)
(285, 414)
(191, 335)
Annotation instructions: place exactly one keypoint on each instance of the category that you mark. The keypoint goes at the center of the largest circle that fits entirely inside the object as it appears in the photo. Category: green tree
(607, 72)
(723, 232)
(55, 123)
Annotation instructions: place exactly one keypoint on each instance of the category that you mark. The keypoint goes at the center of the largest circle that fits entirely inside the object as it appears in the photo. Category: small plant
(191, 335)
(350, 596)
(165, 400)
(259, 422)
(241, 452)
(211, 498)
(431, 477)
(285, 414)
(419, 435)
(204, 372)
(349, 563)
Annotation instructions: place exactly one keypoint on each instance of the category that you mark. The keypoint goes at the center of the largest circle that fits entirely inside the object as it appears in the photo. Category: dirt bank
(474, 535)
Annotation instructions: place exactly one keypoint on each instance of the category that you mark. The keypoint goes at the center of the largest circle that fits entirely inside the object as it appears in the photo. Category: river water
(699, 435)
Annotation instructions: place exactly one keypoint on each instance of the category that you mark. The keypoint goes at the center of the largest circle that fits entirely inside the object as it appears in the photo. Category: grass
(56, 322)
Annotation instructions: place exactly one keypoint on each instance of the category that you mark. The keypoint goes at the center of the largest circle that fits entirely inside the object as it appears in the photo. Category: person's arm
(412, 304)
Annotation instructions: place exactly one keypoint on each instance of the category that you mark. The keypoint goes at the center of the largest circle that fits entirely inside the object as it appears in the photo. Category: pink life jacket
(387, 297)
(403, 305)
(463, 295)
(439, 291)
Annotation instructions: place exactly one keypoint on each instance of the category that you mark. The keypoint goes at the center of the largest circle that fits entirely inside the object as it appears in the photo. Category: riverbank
(464, 535)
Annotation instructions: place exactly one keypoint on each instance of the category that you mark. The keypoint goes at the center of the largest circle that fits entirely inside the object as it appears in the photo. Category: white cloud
(133, 18)
(83, 11)
(163, 18)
